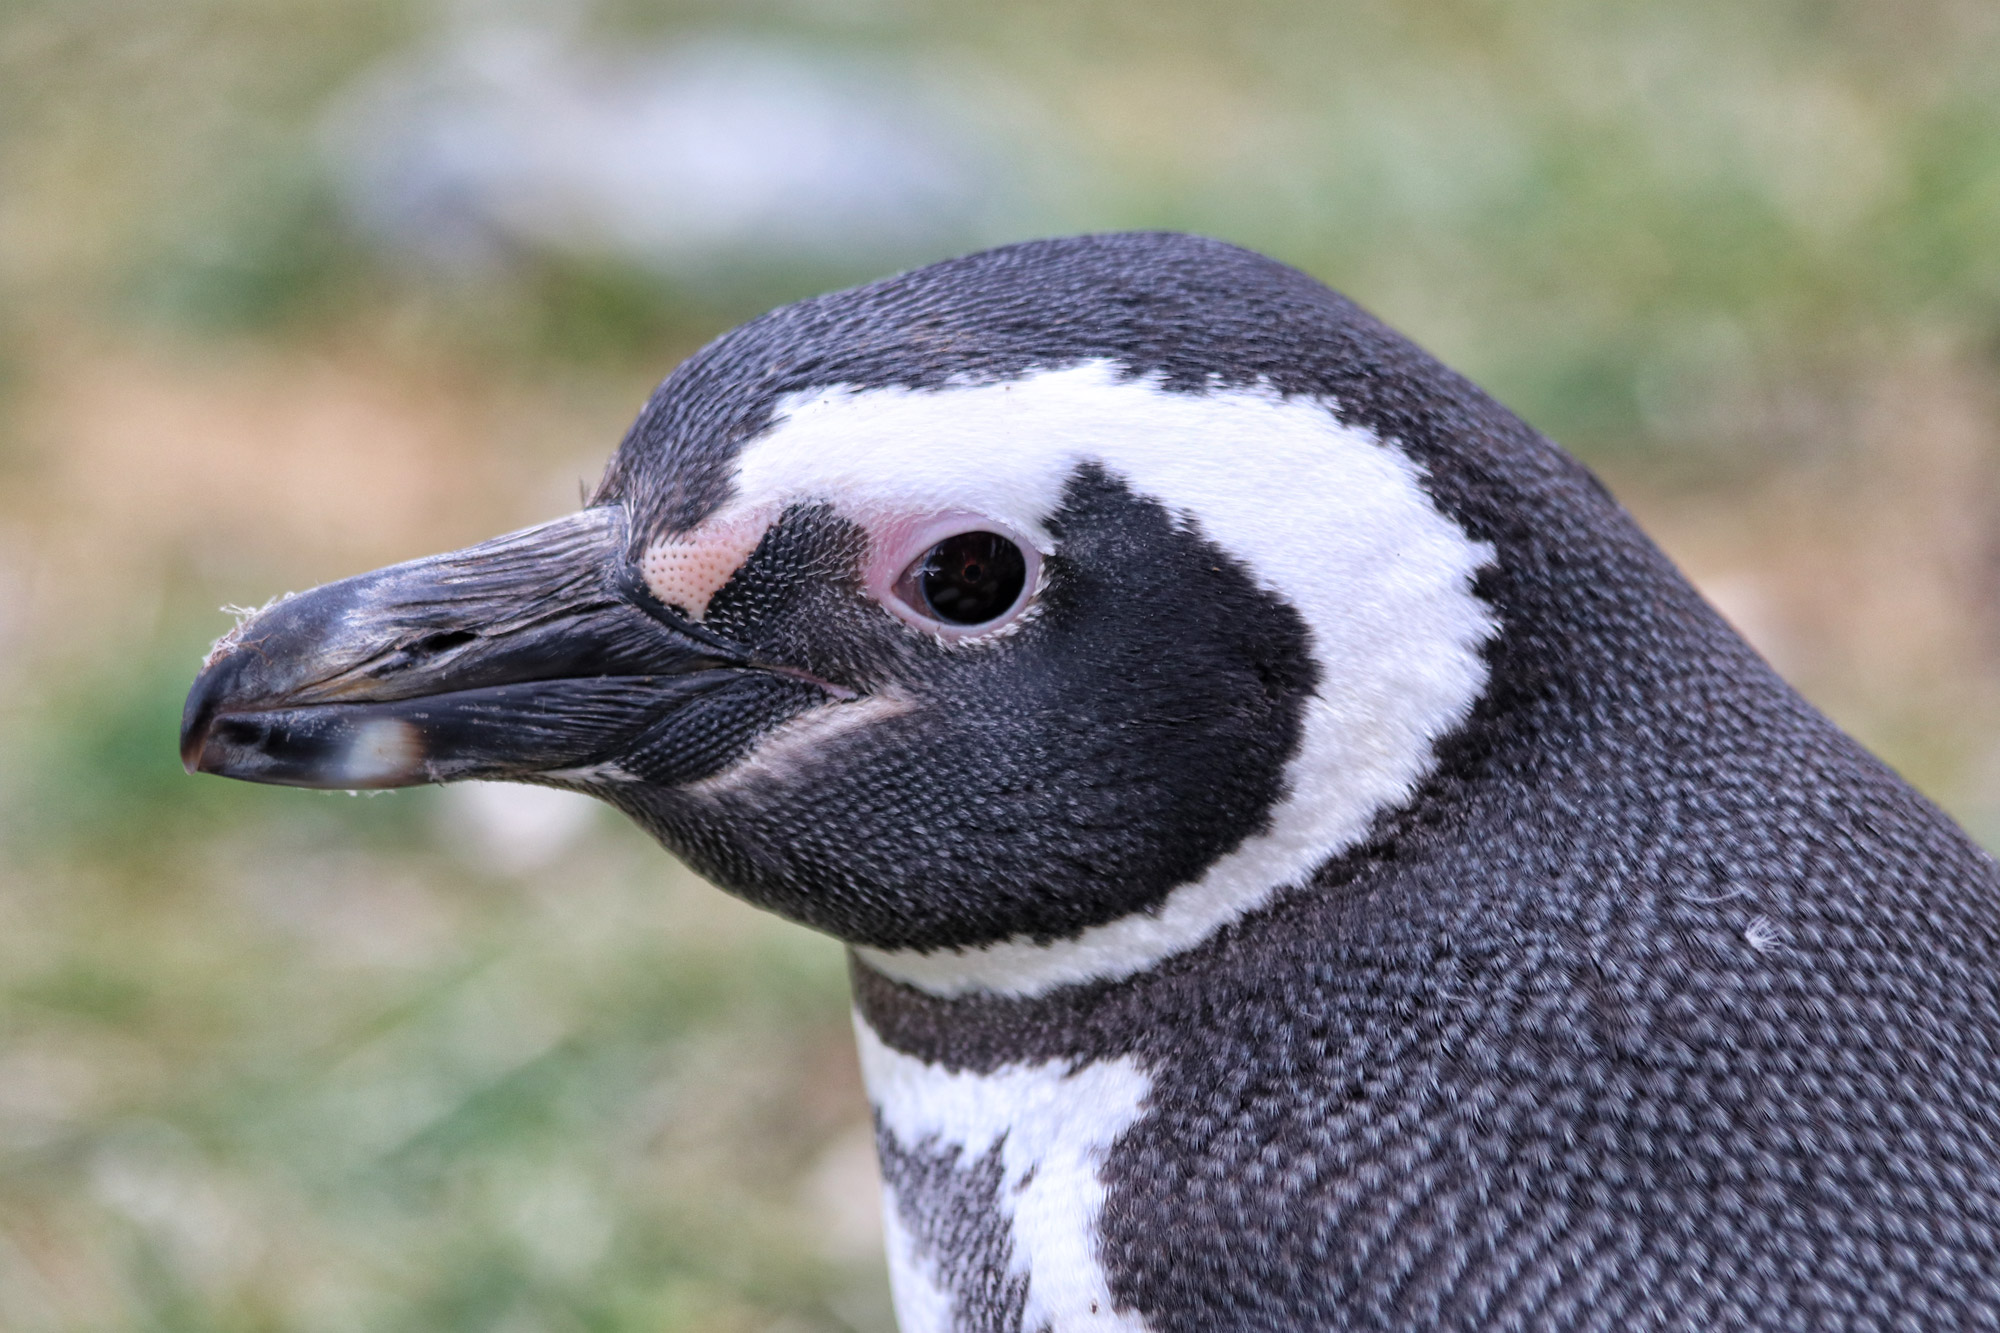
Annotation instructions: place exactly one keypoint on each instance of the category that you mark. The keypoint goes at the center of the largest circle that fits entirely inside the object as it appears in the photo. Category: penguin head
(1020, 620)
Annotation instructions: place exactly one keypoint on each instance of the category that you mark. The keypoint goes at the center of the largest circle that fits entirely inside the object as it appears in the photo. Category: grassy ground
(436, 1061)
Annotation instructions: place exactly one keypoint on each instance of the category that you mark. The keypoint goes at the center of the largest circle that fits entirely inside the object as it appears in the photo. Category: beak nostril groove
(436, 645)
(249, 732)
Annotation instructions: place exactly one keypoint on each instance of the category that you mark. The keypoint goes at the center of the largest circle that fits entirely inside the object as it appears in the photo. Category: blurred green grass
(273, 1060)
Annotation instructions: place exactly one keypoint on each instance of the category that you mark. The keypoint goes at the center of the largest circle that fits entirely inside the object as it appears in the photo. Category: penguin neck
(981, 1032)
(1104, 1019)
(993, 1141)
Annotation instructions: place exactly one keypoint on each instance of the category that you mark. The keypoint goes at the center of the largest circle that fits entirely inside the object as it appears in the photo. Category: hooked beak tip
(196, 719)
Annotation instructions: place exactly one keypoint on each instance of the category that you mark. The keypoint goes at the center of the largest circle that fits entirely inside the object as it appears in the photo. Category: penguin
(1308, 860)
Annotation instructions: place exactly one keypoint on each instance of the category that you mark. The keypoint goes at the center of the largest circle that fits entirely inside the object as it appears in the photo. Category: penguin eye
(954, 576)
(967, 579)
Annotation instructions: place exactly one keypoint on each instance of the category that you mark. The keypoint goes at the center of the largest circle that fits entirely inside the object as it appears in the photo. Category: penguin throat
(993, 1188)
(1025, 968)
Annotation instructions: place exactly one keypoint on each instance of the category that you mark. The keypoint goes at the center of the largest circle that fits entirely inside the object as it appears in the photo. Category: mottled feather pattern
(1563, 969)
(1662, 1006)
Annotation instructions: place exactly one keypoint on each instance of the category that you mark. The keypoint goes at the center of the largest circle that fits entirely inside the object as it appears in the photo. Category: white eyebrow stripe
(1322, 513)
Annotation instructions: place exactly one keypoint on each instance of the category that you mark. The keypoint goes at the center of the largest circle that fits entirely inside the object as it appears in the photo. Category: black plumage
(1660, 1005)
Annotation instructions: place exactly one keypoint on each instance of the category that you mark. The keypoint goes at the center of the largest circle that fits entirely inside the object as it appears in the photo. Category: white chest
(993, 1187)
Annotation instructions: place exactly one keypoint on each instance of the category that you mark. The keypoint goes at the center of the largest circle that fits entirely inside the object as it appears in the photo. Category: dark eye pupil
(971, 578)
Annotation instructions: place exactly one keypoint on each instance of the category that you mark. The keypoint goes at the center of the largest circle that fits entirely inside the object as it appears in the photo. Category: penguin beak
(535, 655)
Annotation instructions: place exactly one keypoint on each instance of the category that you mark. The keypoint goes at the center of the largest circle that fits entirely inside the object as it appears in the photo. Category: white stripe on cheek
(686, 569)
(1322, 513)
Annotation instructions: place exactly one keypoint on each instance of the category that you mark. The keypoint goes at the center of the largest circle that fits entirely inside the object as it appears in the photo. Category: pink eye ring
(957, 576)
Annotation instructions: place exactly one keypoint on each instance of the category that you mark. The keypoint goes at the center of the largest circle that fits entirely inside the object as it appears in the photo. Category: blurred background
(293, 288)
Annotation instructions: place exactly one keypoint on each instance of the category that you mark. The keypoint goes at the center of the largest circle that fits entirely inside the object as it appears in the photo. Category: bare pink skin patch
(686, 569)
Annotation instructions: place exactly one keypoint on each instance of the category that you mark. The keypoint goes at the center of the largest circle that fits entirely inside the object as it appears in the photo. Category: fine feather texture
(1660, 1004)
(998, 1175)
(1573, 973)
(1381, 580)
